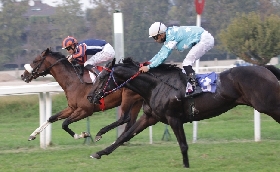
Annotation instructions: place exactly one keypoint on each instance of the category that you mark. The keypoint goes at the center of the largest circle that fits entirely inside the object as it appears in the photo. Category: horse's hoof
(31, 138)
(96, 156)
(85, 134)
(97, 138)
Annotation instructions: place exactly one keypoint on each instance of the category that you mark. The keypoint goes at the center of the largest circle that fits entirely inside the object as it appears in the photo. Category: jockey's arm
(81, 50)
(162, 55)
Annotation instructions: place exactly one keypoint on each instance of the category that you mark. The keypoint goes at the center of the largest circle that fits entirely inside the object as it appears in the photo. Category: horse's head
(39, 67)
(101, 84)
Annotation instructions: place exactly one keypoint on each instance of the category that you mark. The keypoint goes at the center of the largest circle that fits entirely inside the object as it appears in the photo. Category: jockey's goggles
(155, 37)
(68, 48)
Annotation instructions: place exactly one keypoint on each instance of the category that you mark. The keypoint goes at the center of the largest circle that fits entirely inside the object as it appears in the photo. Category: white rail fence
(45, 103)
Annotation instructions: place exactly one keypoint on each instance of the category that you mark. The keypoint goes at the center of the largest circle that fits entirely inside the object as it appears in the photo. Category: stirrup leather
(196, 88)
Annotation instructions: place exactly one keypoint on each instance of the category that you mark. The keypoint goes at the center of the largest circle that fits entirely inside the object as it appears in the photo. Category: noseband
(35, 71)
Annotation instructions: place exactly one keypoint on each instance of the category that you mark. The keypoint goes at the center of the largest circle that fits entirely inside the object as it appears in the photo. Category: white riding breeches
(205, 44)
(107, 53)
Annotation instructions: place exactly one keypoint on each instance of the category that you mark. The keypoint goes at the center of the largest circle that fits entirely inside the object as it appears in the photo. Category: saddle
(87, 75)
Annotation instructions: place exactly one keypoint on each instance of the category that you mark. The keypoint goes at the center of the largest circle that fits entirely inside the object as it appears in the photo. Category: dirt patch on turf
(5, 77)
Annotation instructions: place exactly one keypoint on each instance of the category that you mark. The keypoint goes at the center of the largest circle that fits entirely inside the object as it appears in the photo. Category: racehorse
(76, 91)
(163, 89)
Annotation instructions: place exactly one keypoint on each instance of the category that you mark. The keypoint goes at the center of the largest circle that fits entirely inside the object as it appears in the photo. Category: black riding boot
(92, 69)
(192, 80)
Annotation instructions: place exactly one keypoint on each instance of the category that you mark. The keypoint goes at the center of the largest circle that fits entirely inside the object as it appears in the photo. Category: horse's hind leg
(142, 123)
(269, 105)
(178, 129)
(61, 115)
(275, 114)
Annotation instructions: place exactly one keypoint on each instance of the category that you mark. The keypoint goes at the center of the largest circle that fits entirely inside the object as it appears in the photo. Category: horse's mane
(57, 56)
(130, 61)
(172, 69)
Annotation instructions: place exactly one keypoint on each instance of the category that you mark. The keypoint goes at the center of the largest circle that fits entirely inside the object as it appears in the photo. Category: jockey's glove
(69, 57)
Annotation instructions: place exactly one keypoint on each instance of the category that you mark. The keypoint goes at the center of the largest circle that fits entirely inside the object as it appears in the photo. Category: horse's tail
(274, 70)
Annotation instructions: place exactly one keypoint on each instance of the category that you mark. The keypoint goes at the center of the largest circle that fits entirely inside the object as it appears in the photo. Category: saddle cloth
(207, 82)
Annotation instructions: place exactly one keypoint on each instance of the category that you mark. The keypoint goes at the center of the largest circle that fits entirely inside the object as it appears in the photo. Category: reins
(79, 76)
(145, 63)
(105, 93)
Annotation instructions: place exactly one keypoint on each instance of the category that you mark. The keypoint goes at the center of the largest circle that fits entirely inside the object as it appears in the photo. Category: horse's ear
(47, 51)
(44, 52)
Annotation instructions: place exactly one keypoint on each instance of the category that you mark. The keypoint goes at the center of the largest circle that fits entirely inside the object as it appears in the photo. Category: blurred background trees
(23, 38)
(12, 29)
(252, 37)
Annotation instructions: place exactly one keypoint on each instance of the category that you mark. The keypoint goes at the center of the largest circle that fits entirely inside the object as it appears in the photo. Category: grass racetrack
(225, 143)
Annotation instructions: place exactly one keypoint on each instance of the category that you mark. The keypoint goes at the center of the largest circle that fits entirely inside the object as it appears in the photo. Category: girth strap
(192, 110)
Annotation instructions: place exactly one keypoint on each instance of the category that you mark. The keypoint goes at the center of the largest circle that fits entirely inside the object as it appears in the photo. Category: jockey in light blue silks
(195, 38)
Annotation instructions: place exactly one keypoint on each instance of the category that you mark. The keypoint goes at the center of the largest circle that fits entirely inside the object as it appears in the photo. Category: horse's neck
(157, 84)
(64, 77)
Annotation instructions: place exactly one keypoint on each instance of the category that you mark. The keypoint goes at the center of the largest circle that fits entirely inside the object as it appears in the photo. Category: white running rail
(45, 103)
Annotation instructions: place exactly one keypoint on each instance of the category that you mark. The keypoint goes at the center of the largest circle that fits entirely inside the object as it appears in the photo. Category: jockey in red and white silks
(100, 50)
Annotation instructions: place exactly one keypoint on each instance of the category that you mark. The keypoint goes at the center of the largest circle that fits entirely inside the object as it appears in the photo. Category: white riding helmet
(157, 28)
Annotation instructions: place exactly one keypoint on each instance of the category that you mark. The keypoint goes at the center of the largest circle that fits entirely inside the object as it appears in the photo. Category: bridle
(35, 72)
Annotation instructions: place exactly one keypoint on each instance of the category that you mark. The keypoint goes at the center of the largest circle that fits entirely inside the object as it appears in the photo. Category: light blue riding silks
(180, 38)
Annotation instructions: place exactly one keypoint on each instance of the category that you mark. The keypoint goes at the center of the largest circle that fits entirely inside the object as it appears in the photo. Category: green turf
(225, 143)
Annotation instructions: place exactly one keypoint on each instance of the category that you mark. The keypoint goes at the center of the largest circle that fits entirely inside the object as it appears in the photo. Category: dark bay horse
(163, 89)
(55, 64)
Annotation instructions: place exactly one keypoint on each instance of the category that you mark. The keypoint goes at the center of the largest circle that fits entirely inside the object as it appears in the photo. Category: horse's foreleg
(38, 130)
(61, 115)
(133, 111)
(123, 119)
(130, 123)
(142, 123)
(178, 129)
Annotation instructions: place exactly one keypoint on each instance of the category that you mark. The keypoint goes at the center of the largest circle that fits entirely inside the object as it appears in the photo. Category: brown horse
(163, 89)
(76, 91)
